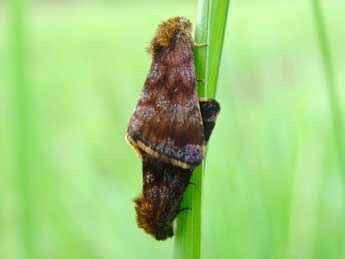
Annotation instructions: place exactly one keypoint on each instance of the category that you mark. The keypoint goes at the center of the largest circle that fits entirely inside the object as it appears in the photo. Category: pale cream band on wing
(141, 145)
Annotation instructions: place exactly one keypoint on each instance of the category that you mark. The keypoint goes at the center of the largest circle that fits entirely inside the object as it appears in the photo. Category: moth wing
(167, 122)
(209, 110)
(164, 185)
(163, 189)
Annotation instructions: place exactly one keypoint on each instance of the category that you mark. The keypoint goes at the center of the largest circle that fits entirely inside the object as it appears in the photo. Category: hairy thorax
(169, 31)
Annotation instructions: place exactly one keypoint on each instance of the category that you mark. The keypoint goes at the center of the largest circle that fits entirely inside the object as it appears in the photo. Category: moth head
(184, 23)
(149, 220)
(167, 32)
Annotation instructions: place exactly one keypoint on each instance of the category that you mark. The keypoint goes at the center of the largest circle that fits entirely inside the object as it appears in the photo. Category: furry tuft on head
(168, 30)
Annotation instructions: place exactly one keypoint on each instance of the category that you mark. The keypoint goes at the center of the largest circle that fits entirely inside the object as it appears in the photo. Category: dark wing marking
(167, 121)
(209, 110)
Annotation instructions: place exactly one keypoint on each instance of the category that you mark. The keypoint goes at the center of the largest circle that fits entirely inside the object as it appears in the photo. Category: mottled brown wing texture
(164, 184)
(167, 121)
(159, 204)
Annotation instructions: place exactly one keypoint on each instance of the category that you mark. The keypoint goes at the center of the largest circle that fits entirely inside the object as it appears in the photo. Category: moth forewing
(167, 122)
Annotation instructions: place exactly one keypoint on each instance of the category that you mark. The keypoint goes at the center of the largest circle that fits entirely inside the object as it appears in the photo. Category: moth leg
(197, 45)
(209, 110)
(183, 209)
(191, 183)
(200, 80)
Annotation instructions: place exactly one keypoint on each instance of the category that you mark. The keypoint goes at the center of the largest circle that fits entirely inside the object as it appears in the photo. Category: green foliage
(23, 123)
(331, 85)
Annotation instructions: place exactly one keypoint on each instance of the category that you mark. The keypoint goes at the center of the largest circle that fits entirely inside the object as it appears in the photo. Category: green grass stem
(334, 102)
(210, 14)
(188, 230)
(219, 11)
(23, 122)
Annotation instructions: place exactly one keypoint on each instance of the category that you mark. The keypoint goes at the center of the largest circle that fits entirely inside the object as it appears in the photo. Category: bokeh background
(273, 187)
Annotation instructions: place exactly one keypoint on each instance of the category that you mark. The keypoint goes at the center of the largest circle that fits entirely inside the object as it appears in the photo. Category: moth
(169, 127)
(164, 184)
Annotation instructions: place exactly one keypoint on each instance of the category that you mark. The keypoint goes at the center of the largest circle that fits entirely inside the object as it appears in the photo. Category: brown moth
(167, 122)
(169, 127)
(164, 185)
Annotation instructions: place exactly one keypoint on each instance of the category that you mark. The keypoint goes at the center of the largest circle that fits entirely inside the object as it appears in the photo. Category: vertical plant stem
(209, 28)
(331, 85)
(201, 36)
(188, 230)
(219, 14)
(22, 128)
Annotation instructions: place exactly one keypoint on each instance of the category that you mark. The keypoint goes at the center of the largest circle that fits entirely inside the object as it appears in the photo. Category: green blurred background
(273, 187)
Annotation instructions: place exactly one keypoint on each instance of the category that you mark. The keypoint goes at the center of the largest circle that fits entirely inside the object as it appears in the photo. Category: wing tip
(131, 142)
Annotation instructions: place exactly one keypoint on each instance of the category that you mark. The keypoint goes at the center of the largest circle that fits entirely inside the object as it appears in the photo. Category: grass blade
(330, 84)
(210, 14)
(23, 122)
(219, 11)
(188, 230)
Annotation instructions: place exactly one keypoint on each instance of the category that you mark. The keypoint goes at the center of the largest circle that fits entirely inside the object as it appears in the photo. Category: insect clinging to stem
(170, 127)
